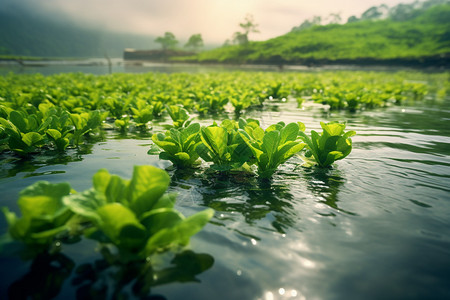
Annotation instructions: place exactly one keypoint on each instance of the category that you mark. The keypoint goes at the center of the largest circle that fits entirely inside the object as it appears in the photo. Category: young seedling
(223, 147)
(271, 147)
(333, 144)
(179, 145)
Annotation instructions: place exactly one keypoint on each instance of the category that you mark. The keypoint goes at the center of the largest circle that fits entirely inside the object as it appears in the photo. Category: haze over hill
(405, 34)
(69, 29)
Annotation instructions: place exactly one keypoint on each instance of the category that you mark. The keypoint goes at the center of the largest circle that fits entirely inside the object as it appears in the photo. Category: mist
(216, 20)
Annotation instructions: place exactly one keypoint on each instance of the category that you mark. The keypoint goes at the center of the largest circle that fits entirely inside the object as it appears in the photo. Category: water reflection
(325, 184)
(12, 165)
(45, 278)
(106, 278)
(257, 201)
(136, 278)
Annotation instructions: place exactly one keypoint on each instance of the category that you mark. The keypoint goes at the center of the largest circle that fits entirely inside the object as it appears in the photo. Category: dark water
(375, 226)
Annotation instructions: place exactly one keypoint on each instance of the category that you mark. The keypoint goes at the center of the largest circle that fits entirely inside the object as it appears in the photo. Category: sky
(215, 20)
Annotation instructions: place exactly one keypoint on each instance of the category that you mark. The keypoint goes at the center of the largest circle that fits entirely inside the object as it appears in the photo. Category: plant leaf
(121, 225)
(158, 219)
(289, 133)
(32, 138)
(180, 233)
(216, 139)
(147, 185)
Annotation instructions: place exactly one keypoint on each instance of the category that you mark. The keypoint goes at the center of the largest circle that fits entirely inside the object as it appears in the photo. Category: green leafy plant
(271, 147)
(44, 216)
(223, 146)
(179, 116)
(333, 144)
(278, 90)
(142, 114)
(122, 124)
(25, 132)
(60, 128)
(211, 103)
(179, 145)
(135, 215)
(242, 101)
(86, 122)
(157, 108)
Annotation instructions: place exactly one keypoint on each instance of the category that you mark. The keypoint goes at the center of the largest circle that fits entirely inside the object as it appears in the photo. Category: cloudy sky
(216, 20)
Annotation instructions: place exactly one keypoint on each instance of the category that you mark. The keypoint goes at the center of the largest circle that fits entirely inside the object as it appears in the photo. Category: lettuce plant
(44, 215)
(277, 90)
(142, 114)
(211, 103)
(157, 108)
(333, 144)
(179, 116)
(86, 122)
(271, 147)
(60, 128)
(122, 124)
(25, 132)
(179, 145)
(242, 101)
(135, 215)
(223, 146)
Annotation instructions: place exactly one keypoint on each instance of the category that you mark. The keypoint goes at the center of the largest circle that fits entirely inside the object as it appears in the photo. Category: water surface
(375, 226)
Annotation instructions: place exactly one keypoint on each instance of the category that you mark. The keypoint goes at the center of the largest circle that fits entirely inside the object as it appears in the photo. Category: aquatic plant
(273, 146)
(223, 146)
(179, 145)
(179, 115)
(44, 216)
(333, 144)
(135, 215)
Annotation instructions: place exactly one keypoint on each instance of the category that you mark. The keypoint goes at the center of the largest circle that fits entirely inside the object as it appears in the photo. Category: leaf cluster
(136, 216)
(273, 146)
(179, 145)
(80, 105)
(25, 132)
(235, 144)
(331, 145)
(223, 146)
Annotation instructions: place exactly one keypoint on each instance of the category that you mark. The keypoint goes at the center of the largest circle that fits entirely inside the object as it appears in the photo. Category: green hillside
(425, 36)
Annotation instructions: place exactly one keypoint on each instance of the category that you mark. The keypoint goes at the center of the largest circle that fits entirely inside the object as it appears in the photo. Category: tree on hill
(168, 41)
(248, 26)
(195, 42)
(316, 20)
(352, 19)
(375, 12)
(335, 18)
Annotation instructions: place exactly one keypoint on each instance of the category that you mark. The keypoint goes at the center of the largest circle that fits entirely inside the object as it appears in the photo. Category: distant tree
(226, 43)
(240, 38)
(248, 26)
(375, 12)
(352, 19)
(430, 3)
(195, 42)
(403, 12)
(316, 20)
(335, 18)
(168, 41)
